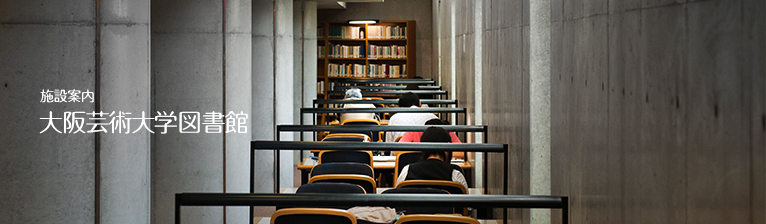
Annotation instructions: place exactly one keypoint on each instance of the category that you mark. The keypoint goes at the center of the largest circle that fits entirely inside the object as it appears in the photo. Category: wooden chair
(346, 137)
(331, 188)
(376, 136)
(357, 156)
(441, 219)
(450, 186)
(342, 168)
(312, 215)
(404, 158)
(365, 181)
(420, 210)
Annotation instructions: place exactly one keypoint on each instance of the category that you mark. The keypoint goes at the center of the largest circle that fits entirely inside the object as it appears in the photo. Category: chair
(342, 168)
(331, 188)
(436, 219)
(450, 186)
(346, 137)
(364, 181)
(333, 156)
(404, 158)
(376, 136)
(312, 215)
(420, 210)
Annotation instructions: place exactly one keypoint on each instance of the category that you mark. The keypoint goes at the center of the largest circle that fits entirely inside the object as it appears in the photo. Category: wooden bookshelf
(330, 37)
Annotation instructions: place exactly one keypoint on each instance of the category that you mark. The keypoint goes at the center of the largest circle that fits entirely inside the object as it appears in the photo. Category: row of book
(346, 32)
(367, 71)
(393, 51)
(387, 71)
(343, 51)
(386, 32)
(320, 87)
(346, 70)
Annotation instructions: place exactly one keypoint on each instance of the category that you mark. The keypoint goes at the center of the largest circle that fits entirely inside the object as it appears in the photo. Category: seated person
(432, 165)
(407, 100)
(356, 94)
(414, 136)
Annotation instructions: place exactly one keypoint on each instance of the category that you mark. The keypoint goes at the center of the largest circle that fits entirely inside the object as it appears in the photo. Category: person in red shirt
(415, 137)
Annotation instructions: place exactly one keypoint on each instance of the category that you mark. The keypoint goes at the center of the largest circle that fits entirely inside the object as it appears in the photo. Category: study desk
(267, 220)
(378, 166)
(292, 190)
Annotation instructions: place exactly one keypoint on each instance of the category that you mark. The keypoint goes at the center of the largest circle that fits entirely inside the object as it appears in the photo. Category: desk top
(291, 190)
(307, 164)
(267, 220)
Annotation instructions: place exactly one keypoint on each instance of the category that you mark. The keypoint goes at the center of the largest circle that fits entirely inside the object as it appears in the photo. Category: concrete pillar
(305, 33)
(238, 78)
(272, 86)
(477, 71)
(540, 105)
(125, 86)
(187, 54)
(53, 177)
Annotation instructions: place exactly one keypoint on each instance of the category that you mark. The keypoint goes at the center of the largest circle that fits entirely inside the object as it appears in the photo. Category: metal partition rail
(392, 92)
(387, 81)
(276, 146)
(374, 128)
(385, 87)
(393, 200)
(441, 110)
(384, 101)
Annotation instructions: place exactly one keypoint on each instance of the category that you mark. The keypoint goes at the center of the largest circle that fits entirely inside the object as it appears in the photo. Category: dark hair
(436, 134)
(436, 121)
(409, 99)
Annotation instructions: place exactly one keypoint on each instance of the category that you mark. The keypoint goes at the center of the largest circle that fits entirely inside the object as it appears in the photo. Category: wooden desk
(267, 220)
(306, 165)
(292, 190)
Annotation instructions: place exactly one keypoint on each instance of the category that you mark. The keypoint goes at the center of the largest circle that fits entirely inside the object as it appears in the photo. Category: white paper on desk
(384, 158)
(310, 162)
(457, 161)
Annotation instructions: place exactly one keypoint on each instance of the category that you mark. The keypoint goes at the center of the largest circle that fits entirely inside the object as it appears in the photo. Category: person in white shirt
(407, 100)
(356, 94)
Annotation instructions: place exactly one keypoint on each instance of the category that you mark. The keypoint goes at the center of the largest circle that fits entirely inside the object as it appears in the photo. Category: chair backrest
(434, 219)
(364, 181)
(375, 135)
(333, 156)
(312, 215)
(450, 186)
(420, 210)
(346, 137)
(342, 168)
(404, 158)
(331, 188)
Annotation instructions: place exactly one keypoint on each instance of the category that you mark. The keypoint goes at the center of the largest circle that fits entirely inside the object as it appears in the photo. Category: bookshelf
(383, 50)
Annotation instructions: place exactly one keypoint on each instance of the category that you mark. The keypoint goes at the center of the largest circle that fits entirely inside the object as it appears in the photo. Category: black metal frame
(425, 200)
(384, 101)
(386, 81)
(385, 87)
(299, 145)
(392, 92)
(441, 110)
(364, 128)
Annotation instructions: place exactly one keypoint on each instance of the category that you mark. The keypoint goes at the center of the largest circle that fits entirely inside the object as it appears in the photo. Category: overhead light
(363, 21)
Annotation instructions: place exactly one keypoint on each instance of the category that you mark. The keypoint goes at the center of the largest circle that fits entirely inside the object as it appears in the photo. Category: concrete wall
(53, 177)
(417, 10)
(201, 58)
(657, 107)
